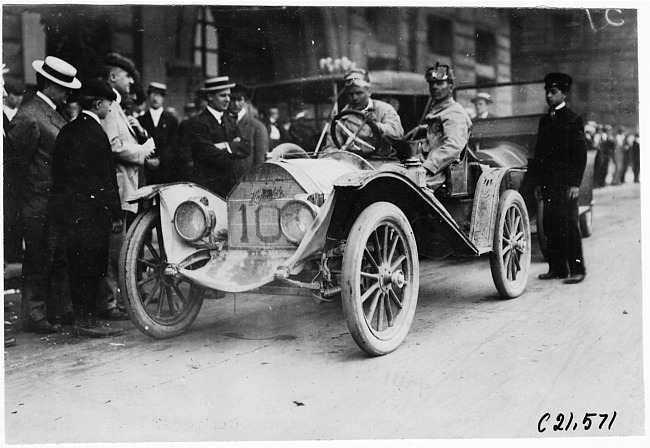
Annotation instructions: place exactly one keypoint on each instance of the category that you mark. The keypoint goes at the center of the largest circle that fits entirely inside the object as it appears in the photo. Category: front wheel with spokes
(510, 256)
(160, 304)
(380, 279)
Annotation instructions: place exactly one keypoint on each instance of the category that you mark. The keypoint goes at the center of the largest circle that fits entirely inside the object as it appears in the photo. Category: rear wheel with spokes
(380, 279)
(160, 303)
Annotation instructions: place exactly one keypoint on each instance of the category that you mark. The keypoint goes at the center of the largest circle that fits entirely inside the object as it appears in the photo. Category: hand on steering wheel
(354, 143)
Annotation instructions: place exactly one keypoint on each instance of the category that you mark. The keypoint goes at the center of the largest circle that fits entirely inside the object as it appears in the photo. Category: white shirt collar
(241, 114)
(45, 98)
(562, 104)
(92, 114)
(217, 114)
(119, 97)
(155, 115)
(9, 112)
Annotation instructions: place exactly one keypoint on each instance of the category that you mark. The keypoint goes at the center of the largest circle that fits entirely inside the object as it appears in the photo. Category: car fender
(168, 197)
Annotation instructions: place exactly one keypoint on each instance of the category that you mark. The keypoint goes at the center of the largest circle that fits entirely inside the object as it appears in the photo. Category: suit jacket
(259, 139)
(166, 137)
(211, 165)
(129, 155)
(32, 134)
(84, 177)
(561, 152)
(284, 135)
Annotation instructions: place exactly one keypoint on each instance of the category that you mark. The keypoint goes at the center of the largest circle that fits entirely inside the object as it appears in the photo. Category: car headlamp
(295, 219)
(193, 220)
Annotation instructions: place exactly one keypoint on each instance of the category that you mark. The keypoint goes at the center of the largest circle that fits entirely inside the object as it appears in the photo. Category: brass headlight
(193, 220)
(295, 219)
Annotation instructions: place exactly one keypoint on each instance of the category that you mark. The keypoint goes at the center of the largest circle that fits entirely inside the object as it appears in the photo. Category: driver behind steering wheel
(358, 90)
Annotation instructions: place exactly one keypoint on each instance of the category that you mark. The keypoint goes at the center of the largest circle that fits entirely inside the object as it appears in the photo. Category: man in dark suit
(32, 134)
(557, 170)
(215, 140)
(276, 131)
(253, 128)
(163, 127)
(85, 203)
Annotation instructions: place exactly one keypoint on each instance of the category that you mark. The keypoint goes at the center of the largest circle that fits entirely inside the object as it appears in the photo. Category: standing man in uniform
(32, 134)
(215, 140)
(85, 203)
(447, 126)
(163, 127)
(557, 170)
(253, 128)
(131, 149)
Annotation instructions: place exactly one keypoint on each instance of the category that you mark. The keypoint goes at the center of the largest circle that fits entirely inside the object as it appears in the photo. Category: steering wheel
(354, 143)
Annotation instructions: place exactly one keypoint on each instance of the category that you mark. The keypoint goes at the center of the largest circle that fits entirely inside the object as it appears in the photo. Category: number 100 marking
(258, 228)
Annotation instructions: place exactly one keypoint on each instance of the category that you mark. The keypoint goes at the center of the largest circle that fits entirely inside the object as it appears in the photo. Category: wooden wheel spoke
(395, 299)
(180, 293)
(398, 262)
(377, 246)
(381, 316)
(371, 259)
(152, 292)
(153, 251)
(385, 245)
(373, 306)
(506, 261)
(369, 291)
(160, 300)
(146, 280)
(151, 264)
(389, 309)
(369, 275)
(515, 228)
(393, 246)
(170, 300)
(161, 244)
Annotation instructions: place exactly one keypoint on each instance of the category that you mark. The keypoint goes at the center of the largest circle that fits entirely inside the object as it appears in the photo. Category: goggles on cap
(360, 82)
(357, 77)
(438, 73)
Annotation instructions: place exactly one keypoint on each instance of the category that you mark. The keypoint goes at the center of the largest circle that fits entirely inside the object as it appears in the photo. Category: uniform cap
(560, 80)
(98, 88)
(482, 96)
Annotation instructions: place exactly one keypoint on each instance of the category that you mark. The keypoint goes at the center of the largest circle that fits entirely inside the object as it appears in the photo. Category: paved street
(286, 368)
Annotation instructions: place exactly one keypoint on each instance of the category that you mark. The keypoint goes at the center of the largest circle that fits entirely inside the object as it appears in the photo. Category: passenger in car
(447, 126)
(358, 90)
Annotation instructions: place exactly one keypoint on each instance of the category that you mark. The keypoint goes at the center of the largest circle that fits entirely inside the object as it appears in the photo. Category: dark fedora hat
(556, 79)
(117, 60)
(98, 88)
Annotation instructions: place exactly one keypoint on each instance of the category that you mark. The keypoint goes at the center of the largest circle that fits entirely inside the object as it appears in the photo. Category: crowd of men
(618, 152)
(70, 169)
(74, 153)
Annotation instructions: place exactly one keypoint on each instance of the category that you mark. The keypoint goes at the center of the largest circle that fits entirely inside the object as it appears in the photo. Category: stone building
(180, 45)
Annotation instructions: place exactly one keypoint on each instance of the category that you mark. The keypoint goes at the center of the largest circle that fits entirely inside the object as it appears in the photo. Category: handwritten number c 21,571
(590, 421)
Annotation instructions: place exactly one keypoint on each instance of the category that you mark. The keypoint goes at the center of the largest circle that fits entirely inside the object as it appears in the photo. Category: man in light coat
(131, 151)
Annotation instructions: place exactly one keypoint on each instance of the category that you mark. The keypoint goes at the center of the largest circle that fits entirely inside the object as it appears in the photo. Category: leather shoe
(550, 275)
(113, 314)
(65, 319)
(43, 327)
(574, 279)
(88, 326)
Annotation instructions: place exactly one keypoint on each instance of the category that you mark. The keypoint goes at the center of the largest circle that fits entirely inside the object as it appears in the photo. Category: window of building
(440, 36)
(486, 56)
(206, 43)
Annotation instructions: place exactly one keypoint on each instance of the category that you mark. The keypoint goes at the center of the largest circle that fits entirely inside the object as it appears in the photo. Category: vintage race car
(336, 224)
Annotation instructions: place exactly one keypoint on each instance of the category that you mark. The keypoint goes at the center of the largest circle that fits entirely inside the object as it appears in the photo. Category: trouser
(13, 234)
(562, 229)
(636, 162)
(87, 252)
(626, 161)
(45, 289)
(108, 295)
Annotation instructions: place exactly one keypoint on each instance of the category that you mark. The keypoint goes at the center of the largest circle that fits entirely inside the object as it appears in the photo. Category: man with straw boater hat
(32, 134)
(482, 103)
(215, 140)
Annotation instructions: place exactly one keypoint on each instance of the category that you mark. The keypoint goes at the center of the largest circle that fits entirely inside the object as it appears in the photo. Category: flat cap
(98, 88)
(117, 60)
(556, 79)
